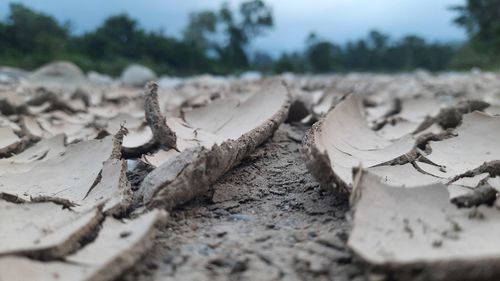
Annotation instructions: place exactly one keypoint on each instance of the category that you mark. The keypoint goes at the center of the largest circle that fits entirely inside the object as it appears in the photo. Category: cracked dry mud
(267, 219)
(342, 177)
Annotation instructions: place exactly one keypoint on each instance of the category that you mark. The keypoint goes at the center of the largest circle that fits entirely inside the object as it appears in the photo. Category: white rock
(60, 75)
(137, 75)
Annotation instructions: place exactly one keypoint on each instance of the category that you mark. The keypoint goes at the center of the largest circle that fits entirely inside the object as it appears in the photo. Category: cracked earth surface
(267, 219)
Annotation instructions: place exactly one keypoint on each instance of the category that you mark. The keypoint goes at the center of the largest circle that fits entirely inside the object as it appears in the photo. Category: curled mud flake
(163, 135)
(59, 201)
(165, 174)
(348, 142)
(216, 148)
(117, 143)
(451, 117)
(482, 195)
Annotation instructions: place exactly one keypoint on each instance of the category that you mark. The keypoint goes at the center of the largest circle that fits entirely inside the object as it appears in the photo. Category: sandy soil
(267, 219)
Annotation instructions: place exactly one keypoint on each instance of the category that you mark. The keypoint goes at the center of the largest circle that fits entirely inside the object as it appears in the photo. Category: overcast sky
(336, 20)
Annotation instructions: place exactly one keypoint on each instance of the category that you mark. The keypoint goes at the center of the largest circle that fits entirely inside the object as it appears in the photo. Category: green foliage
(201, 26)
(254, 18)
(481, 20)
(322, 56)
(293, 62)
(218, 42)
(28, 32)
(374, 53)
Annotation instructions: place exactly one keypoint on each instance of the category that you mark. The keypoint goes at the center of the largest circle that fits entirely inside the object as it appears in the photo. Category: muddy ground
(267, 219)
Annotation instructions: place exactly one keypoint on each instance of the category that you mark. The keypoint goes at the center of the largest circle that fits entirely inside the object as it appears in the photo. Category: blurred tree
(256, 18)
(120, 29)
(358, 55)
(481, 20)
(293, 62)
(200, 27)
(479, 17)
(322, 56)
(412, 53)
(4, 38)
(379, 42)
(218, 42)
(27, 31)
(117, 36)
(262, 61)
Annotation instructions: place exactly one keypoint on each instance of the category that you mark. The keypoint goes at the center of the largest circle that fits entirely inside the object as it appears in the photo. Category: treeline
(216, 42)
(481, 20)
(30, 39)
(377, 52)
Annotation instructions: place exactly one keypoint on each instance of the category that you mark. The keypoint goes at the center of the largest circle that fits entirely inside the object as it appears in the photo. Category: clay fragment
(10, 143)
(481, 195)
(39, 152)
(210, 149)
(474, 144)
(43, 231)
(162, 134)
(165, 174)
(404, 176)
(417, 233)
(82, 160)
(117, 247)
(86, 174)
(51, 101)
(11, 103)
(157, 135)
(343, 141)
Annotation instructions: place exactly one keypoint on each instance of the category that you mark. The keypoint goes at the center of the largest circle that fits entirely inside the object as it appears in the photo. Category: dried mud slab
(343, 141)
(85, 174)
(76, 127)
(40, 152)
(11, 103)
(113, 190)
(118, 246)
(43, 230)
(212, 140)
(422, 180)
(43, 100)
(139, 134)
(324, 101)
(405, 176)
(73, 173)
(417, 233)
(475, 143)
(405, 116)
(407, 130)
(10, 143)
